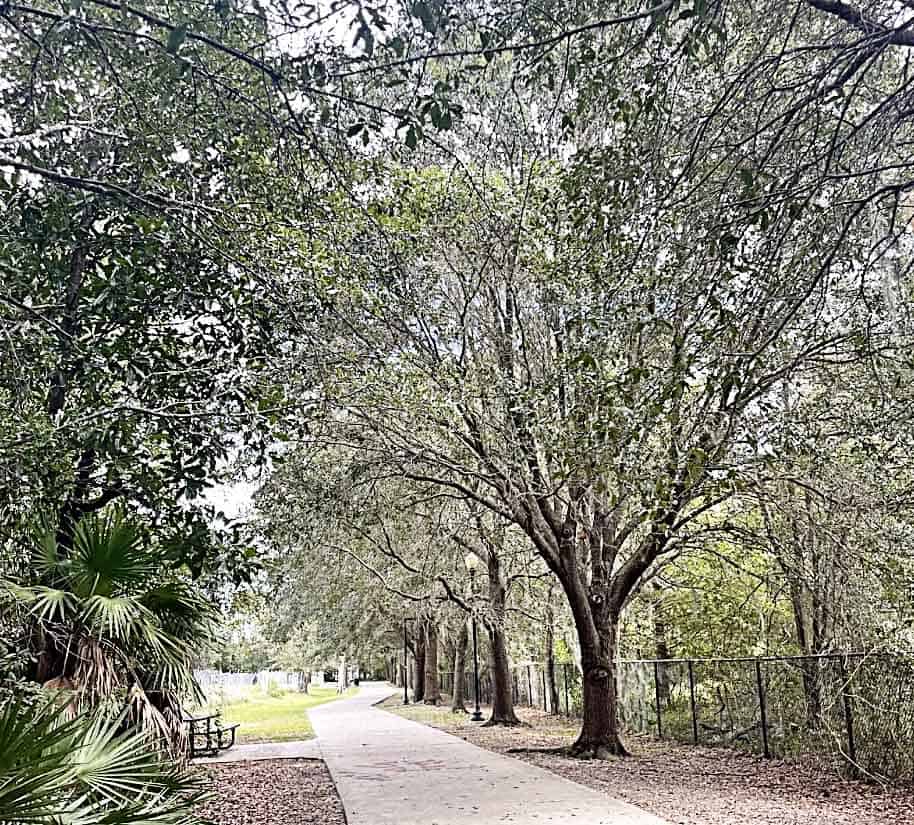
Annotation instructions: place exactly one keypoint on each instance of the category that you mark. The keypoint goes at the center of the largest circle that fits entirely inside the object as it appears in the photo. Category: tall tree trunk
(432, 692)
(502, 695)
(419, 668)
(597, 624)
(552, 688)
(459, 692)
(599, 737)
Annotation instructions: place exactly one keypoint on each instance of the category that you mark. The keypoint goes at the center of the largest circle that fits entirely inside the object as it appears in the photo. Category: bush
(86, 770)
(109, 617)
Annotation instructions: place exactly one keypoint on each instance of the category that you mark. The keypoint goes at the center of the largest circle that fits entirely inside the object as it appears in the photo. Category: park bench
(207, 736)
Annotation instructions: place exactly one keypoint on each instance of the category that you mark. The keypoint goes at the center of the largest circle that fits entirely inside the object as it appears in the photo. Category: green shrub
(86, 770)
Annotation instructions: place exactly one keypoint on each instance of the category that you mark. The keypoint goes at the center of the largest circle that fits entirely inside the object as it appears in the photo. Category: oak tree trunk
(432, 692)
(502, 695)
(599, 737)
(419, 668)
(552, 688)
(459, 692)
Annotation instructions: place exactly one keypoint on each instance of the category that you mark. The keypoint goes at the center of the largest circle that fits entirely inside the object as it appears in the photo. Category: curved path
(392, 771)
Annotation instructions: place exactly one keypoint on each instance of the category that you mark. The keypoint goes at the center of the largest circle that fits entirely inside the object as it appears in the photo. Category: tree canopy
(612, 297)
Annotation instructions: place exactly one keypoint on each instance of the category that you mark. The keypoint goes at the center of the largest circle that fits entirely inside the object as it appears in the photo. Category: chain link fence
(855, 710)
(529, 687)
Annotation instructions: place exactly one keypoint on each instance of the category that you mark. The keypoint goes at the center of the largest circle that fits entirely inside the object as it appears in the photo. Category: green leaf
(398, 46)
(52, 605)
(424, 13)
(176, 38)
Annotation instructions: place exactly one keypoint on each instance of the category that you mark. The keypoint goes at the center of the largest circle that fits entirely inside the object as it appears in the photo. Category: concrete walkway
(392, 771)
(304, 749)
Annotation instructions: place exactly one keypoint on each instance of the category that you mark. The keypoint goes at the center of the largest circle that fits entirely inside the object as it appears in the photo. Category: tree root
(601, 752)
(562, 751)
(504, 723)
(598, 750)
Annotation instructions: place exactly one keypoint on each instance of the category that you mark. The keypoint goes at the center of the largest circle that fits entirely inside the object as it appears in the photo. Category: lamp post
(405, 664)
(472, 564)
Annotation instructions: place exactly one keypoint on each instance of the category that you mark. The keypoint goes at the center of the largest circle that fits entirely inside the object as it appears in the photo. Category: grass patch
(562, 729)
(277, 718)
(434, 715)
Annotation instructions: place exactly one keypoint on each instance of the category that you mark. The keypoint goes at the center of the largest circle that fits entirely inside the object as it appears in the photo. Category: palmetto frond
(51, 604)
(116, 623)
(46, 560)
(48, 604)
(83, 771)
(121, 618)
(119, 623)
(108, 556)
(182, 610)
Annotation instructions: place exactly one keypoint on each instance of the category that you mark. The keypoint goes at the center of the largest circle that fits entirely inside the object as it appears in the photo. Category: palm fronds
(116, 621)
(85, 771)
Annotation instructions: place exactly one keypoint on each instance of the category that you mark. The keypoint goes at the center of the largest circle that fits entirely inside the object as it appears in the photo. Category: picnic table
(207, 735)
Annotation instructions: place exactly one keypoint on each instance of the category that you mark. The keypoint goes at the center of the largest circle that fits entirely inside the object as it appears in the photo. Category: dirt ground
(287, 791)
(690, 785)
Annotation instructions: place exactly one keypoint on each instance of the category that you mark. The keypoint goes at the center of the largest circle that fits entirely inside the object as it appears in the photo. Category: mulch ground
(690, 785)
(287, 791)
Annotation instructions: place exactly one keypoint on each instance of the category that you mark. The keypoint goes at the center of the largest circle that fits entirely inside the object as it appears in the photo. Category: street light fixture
(472, 565)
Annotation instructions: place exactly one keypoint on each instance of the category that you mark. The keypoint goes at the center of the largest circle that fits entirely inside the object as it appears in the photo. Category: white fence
(219, 687)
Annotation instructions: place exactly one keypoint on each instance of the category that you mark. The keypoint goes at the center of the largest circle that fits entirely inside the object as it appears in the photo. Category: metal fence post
(692, 702)
(763, 707)
(657, 699)
(848, 710)
(565, 671)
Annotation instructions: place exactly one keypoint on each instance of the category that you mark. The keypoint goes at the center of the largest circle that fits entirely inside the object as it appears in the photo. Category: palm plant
(56, 770)
(113, 624)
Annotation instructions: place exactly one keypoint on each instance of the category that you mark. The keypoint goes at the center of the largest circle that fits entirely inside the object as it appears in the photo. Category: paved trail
(392, 771)
(306, 749)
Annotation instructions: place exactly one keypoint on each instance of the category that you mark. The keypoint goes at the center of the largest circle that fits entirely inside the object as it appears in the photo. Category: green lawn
(277, 719)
